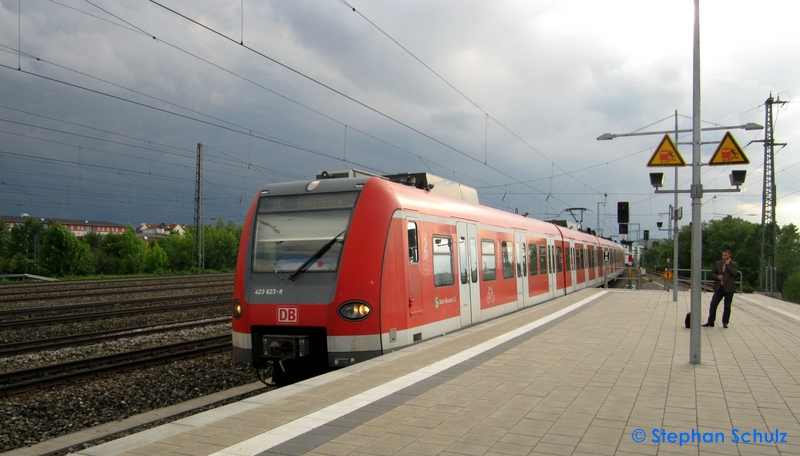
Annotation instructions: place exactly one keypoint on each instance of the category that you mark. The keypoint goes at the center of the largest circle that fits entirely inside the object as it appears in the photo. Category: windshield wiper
(316, 255)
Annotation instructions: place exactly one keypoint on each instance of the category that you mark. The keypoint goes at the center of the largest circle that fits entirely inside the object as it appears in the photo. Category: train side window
(508, 253)
(569, 257)
(413, 250)
(488, 260)
(522, 264)
(543, 259)
(559, 259)
(473, 258)
(532, 258)
(443, 261)
(463, 268)
(551, 259)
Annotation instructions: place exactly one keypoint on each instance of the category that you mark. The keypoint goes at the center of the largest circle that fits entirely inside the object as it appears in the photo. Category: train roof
(428, 193)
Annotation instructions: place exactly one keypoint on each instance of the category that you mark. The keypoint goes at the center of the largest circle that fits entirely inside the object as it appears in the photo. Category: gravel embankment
(35, 417)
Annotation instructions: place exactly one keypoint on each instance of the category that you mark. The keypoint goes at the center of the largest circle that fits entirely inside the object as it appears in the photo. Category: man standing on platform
(724, 275)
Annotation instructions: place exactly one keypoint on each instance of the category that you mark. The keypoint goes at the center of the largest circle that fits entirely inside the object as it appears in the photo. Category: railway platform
(599, 372)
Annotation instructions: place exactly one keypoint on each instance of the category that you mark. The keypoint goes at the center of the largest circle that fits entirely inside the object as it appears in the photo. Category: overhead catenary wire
(488, 116)
(425, 161)
(338, 92)
(141, 31)
(345, 155)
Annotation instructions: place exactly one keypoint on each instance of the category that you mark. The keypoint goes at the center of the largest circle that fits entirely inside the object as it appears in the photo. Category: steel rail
(55, 343)
(99, 283)
(93, 305)
(27, 323)
(68, 294)
(58, 374)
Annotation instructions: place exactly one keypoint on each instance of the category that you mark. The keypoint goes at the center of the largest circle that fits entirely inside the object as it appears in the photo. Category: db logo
(288, 314)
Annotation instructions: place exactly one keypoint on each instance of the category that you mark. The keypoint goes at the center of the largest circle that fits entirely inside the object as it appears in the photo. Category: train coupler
(282, 347)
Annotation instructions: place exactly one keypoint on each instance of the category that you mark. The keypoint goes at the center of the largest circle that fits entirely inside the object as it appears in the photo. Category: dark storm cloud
(546, 79)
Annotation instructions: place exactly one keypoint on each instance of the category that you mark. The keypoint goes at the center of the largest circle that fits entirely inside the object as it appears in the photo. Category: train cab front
(286, 279)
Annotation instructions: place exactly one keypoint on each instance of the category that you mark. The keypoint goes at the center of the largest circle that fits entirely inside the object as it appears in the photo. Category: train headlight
(237, 309)
(355, 310)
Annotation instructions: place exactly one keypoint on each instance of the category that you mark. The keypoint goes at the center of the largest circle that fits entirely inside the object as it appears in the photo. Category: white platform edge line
(300, 426)
(774, 309)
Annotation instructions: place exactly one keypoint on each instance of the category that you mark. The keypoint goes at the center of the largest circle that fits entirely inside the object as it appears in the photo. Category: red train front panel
(308, 276)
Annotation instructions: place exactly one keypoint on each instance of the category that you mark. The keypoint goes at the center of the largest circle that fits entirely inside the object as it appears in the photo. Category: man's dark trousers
(726, 313)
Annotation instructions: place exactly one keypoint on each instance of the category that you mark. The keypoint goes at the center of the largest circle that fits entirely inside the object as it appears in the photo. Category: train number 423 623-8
(269, 291)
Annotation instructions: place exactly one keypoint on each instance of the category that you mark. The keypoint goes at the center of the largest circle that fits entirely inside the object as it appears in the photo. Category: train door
(570, 266)
(469, 288)
(551, 265)
(414, 271)
(601, 261)
(521, 261)
(580, 265)
(558, 260)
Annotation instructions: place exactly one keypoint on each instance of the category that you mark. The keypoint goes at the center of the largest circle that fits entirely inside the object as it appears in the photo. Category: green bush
(791, 288)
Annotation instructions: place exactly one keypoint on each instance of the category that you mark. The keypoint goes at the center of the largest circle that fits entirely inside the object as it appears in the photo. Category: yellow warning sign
(667, 275)
(666, 154)
(728, 153)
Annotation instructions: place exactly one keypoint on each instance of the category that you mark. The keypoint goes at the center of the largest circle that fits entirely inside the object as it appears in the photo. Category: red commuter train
(335, 271)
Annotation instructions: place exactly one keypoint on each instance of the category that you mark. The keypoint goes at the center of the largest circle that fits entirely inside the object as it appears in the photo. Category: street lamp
(657, 180)
(737, 177)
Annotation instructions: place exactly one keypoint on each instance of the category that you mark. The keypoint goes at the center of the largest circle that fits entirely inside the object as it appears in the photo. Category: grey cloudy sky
(103, 102)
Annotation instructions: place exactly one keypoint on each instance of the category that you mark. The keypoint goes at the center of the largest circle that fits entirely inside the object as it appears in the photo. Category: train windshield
(293, 229)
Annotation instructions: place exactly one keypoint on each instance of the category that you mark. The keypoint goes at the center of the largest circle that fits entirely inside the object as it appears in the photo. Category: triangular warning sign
(728, 153)
(666, 154)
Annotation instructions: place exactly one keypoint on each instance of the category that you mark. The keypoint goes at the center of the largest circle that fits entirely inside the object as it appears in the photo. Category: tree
(179, 250)
(132, 253)
(684, 249)
(742, 238)
(787, 258)
(156, 260)
(125, 251)
(93, 240)
(63, 255)
(221, 246)
(5, 239)
(791, 289)
(26, 238)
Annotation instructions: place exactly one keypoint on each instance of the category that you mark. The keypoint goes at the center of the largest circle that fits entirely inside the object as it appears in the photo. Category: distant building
(155, 230)
(77, 227)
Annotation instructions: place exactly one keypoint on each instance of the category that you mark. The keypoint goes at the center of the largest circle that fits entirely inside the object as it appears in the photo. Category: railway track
(100, 284)
(25, 318)
(133, 348)
(57, 343)
(684, 283)
(16, 296)
(20, 381)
